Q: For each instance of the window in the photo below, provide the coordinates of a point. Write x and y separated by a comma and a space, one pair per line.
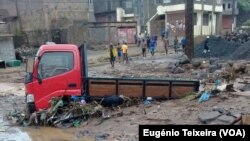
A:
205, 19
219, 1
128, 4
166, 1
108, 5
195, 18
55, 63
224, 6
229, 6
109, 18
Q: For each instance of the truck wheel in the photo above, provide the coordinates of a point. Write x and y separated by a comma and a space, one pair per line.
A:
30, 108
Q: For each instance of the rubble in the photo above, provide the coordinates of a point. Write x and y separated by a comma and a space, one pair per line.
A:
219, 47
226, 119
208, 116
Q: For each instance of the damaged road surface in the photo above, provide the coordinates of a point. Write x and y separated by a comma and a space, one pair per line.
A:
113, 122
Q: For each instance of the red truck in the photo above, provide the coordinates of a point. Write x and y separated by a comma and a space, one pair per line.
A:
62, 71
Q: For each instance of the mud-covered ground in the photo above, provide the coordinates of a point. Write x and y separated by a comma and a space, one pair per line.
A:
124, 128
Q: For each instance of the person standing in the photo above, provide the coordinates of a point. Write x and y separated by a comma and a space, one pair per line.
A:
184, 43
166, 44
139, 39
176, 42
119, 52
143, 46
152, 46
148, 43
206, 47
125, 52
112, 54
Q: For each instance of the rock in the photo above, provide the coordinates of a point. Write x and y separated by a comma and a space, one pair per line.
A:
178, 70
204, 66
246, 87
184, 60
230, 63
101, 136
213, 61
188, 66
196, 63
208, 116
171, 66
239, 67
226, 119
212, 68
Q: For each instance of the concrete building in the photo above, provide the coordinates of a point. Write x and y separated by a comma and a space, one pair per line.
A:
113, 10
46, 20
7, 51
171, 14
229, 19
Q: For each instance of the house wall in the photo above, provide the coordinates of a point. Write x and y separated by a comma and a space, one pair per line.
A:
7, 51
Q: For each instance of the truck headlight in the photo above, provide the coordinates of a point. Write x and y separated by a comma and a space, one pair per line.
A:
30, 98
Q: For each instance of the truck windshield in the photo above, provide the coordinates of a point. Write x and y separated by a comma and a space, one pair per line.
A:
55, 63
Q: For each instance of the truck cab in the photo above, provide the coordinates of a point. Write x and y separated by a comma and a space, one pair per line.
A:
55, 71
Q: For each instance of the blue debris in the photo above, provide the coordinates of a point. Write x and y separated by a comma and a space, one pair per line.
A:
204, 97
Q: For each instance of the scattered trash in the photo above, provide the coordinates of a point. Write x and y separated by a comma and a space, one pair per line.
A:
204, 97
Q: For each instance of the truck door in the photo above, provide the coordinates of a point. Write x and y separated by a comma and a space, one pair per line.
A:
58, 76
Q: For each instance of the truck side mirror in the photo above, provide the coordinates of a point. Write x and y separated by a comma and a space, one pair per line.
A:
39, 79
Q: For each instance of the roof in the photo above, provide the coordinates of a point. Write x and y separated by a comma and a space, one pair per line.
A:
6, 35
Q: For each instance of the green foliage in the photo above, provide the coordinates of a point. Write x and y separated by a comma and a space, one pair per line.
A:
247, 23
244, 5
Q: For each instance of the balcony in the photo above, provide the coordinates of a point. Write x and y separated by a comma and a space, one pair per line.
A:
229, 12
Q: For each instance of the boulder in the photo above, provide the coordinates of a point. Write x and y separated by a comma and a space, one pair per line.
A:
178, 70
239, 68
184, 60
208, 116
196, 63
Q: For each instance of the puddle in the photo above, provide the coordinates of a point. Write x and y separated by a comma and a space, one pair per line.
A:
14, 134
54, 134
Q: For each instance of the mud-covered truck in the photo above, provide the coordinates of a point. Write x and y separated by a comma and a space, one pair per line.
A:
62, 71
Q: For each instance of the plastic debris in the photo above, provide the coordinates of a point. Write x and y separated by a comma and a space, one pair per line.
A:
204, 97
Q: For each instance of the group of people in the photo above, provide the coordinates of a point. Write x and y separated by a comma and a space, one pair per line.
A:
150, 43
120, 51
147, 42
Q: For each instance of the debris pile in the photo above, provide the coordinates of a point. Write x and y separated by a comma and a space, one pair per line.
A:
219, 47
71, 114
242, 52
237, 37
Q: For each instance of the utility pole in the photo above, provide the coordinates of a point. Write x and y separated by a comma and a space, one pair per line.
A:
202, 12
233, 15
212, 17
189, 26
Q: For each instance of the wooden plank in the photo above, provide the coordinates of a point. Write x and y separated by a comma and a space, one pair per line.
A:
102, 88
130, 88
157, 89
180, 92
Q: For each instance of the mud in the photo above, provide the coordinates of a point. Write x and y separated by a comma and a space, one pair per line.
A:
125, 128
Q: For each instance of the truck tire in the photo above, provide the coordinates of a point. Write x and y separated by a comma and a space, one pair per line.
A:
30, 108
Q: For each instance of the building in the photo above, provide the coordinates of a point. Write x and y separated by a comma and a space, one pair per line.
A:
171, 14
114, 10
45, 20
229, 19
